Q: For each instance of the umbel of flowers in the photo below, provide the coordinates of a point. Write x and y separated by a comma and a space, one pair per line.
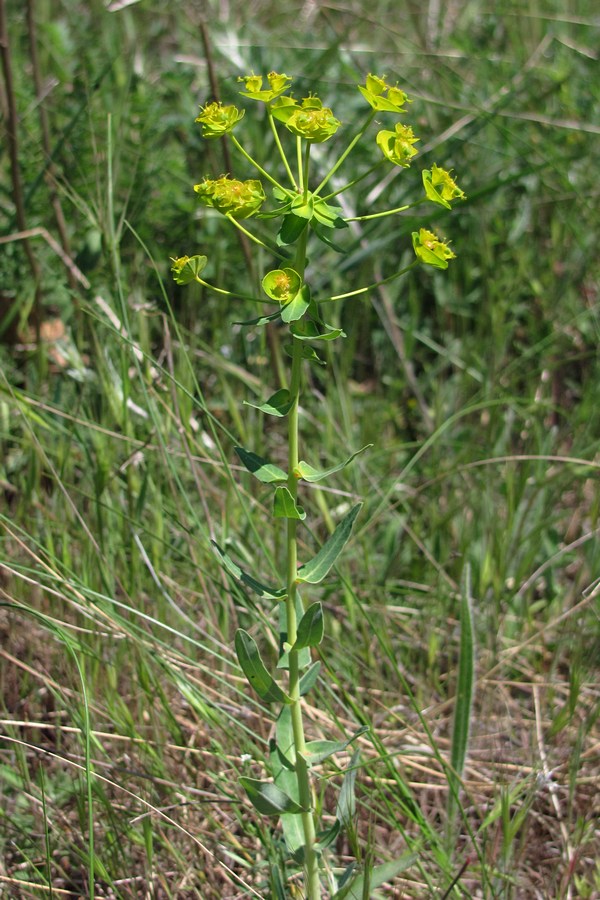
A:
295, 205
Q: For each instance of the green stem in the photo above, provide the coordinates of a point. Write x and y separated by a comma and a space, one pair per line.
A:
347, 151
253, 162
380, 215
253, 237
351, 184
281, 150
370, 287
311, 859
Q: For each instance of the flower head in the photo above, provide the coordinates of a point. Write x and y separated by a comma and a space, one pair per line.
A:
216, 119
440, 187
239, 199
312, 121
381, 96
187, 268
397, 145
430, 250
282, 285
278, 84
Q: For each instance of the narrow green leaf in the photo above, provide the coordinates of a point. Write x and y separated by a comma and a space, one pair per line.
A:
463, 709
317, 568
309, 679
291, 229
346, 805
304, 658
267, 798
261, 320
285, 736
255, 671
318, 751
329, 216
310, 628
260, 468
308, 331
327, 837
279, 404
262, 590
309, 474
284, 506
307, 352
375, 877
297, 306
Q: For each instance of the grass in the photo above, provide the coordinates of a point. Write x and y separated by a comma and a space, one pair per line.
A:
122, 702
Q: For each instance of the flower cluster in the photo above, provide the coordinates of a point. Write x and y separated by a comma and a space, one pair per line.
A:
309, 120
186, 269
440, 187
430, 250
397, 145
282, 285
238, 199
217, 120
278, 84
381, 96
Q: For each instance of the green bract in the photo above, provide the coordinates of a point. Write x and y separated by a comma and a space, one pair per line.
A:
430, 250
186, 268
397, 145
278, 84
440, 187
312, 121
239, 199
282, 284
381, 96
216, 119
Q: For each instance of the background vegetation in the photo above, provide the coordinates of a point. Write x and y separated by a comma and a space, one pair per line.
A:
125, 719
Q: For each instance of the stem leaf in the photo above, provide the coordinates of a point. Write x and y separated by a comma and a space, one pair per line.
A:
309, 679
278, 404
284, 505
310, 628
317, 568
318, 751
297, 306
261, 320
255, 671
346, 805
374, 878
303, 470
262, 590
267, 798
260, 468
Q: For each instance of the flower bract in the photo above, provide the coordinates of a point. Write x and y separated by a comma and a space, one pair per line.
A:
397, 145
282, 285
278, 84
239, 199
187, 268
217, 120
381, 96
430, 250
312, 121
440, 187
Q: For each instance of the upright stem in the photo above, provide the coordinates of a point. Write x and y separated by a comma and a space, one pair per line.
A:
311, 859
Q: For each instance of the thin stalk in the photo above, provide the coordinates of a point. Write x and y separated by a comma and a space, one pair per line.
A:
253, 237
347, 151
370, 287
253, 162
354, 181
380, 215
281, 150
311, 859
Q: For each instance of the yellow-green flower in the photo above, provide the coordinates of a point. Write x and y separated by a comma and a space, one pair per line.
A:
397, 145
282, 285
216, 119
186, 268
239, 199
430, 250
381, 96
440, 187
278, 84
312, 121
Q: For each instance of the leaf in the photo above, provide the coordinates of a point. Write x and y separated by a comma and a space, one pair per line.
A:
285, 737
262, 320
260, 468
327, 837
375, 877
309, 679
318, 751
262, 590
284, 506
306, 353
278, 404
291, 229
307, 331
254, 669
297, 306
303, 470
329, 216
346, 805
304, 659
324, 234
463, 709
310, 628
267, 798
317, 568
